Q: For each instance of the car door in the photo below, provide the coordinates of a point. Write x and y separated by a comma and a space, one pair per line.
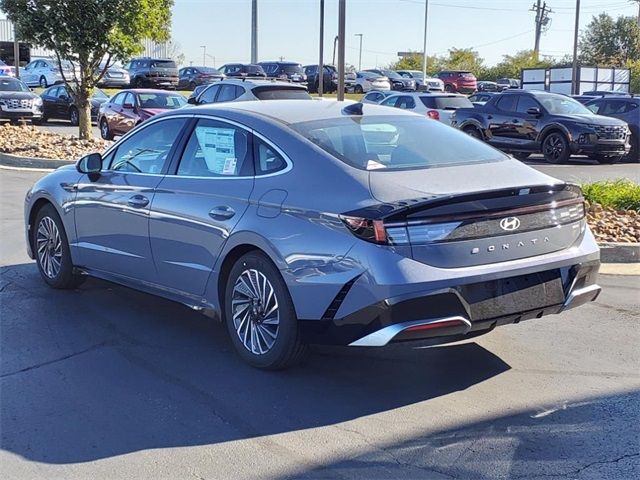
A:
199, 202
112, 211
49, 98
62, 103
500, 120
525, 125
28, 73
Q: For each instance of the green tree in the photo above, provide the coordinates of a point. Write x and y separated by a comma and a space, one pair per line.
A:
609, 42
512, 65
88, 33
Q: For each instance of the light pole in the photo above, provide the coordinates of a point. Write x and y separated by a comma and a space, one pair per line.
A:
424, 45
204, 55
254, 31
360, 54
342, 14
321, 60
574, 65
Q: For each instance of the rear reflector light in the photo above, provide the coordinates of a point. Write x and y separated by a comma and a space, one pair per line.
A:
369, 230
431, 326
433, 114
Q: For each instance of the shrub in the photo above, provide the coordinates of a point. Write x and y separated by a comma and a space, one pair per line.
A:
619, 194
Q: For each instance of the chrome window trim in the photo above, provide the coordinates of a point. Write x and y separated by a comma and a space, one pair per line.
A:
286, 158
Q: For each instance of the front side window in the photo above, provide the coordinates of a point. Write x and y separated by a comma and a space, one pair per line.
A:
393, 142
118, 99
216, 149
161, 100
146, 151
390, 102
525, 102
209, 95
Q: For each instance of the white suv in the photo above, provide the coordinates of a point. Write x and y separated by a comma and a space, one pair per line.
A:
44, 72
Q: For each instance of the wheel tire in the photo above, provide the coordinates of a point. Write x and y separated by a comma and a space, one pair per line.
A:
51, 248
43, 82
192, 86
105, 131
287, 348
448, 88
474, 132
38, 121
74, 116
358, 89
555, 148
521, 155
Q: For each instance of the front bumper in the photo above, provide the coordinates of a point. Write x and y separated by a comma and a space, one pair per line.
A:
602, 147
20, 114
460, 312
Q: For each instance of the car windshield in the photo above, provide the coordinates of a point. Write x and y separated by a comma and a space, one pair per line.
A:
447, 103
393, 142
391, 74
281, 93
290, 69
162, 64
560, 105
161, 100
12, 85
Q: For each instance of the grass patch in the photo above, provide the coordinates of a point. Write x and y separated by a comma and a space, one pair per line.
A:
619, 194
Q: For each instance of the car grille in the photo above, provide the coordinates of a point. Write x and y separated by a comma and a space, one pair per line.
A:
16, 104
605, 132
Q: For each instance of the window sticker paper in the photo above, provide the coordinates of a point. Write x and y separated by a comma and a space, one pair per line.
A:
218, 147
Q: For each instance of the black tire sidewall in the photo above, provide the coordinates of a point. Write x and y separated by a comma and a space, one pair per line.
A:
108, 135
566, 152
287, 340
65, 277
77, 122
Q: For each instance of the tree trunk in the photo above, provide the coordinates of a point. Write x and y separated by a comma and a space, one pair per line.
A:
84, 113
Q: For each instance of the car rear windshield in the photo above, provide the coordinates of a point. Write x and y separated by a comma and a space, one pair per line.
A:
255, 70
12, 85
394, 142
446, 103
162, 64
170, 101
289, 69
281, 93
213, 71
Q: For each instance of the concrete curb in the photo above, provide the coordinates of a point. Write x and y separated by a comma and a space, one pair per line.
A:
8, 160
620, 252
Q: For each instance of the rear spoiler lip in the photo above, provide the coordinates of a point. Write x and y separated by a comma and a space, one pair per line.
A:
393, 211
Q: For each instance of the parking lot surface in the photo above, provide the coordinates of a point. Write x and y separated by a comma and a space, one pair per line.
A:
108, 383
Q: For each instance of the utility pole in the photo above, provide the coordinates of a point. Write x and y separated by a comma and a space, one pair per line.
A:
16, 50
574, 66
360, 54
321, 60
341, 36
204, 55
542, 20
254, 31
424, 44
335, 42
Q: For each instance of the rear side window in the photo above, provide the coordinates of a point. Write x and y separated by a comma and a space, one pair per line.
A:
281, 93
217, 149
229, 93
406, 102
507, 103
268, 160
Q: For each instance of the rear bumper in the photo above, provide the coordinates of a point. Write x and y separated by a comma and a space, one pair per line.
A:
462, 311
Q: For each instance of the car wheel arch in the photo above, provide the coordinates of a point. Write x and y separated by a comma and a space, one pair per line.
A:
554, 127
36, 206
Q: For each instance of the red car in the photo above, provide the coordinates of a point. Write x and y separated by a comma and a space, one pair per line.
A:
458, 81
128, 108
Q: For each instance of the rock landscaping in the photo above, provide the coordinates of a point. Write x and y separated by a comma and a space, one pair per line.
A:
611, 225
28, 141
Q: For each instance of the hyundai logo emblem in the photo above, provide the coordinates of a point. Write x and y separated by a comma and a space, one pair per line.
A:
510, 223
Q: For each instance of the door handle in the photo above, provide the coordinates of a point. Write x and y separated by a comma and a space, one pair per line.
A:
222, 212
489, 117
138, 201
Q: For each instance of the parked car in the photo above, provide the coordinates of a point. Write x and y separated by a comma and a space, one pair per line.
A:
7, 70
526, 122
433, 105
284, 71
430, 84
376, 96
196, 92
190, 77
460, 81
366, 81
248, 70
624, 108
316, 222
152, 72
57, 103
44, 72
506, 83
485, 86
398, 82
129, 108
18, 102
480, 98
584, 99
606, 93
115, 76
233, 90
329, 79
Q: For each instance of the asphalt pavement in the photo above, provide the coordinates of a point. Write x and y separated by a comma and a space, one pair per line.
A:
105, 382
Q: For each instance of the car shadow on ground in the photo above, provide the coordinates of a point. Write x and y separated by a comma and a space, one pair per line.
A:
104, 370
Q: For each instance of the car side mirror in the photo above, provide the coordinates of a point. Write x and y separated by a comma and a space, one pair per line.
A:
90, 164
192, 101
128, 106
535, 111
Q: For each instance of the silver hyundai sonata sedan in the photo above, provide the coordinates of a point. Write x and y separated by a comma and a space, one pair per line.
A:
317, 222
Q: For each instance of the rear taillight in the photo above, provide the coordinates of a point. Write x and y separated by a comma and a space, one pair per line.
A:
434, 114
369, 230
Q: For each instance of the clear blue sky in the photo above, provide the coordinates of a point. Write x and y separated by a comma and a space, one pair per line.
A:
290, 28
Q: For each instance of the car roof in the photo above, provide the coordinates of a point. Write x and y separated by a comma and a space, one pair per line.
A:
293, 111
147, 90
430, 94
258, 83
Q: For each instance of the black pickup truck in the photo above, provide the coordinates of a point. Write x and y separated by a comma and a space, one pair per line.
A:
525, 122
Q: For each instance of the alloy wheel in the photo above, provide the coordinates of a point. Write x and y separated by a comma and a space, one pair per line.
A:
43, 82
256, 316
74, 117
49, 245
554, 147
